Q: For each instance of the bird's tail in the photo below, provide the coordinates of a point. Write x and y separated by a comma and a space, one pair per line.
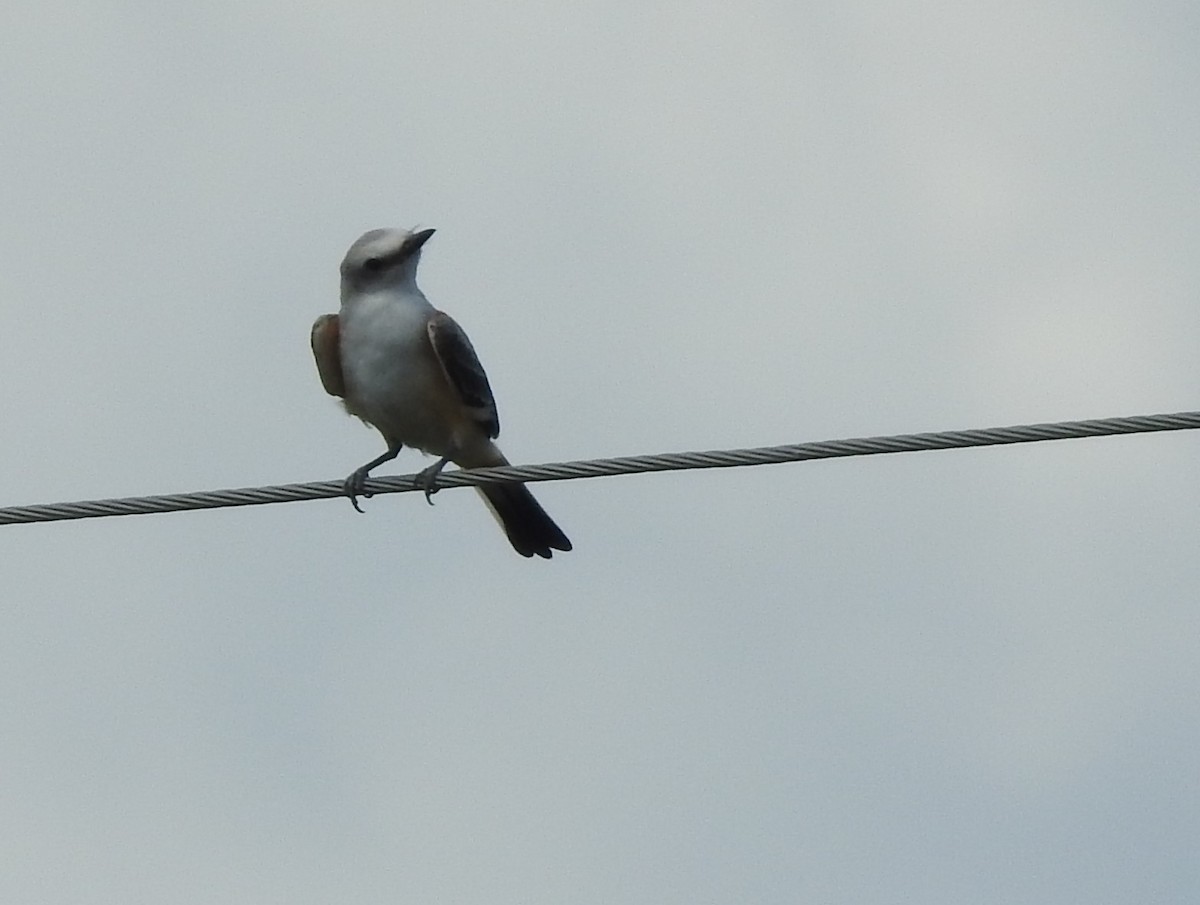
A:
530, 530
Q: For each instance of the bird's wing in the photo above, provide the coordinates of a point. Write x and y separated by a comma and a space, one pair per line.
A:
327, 351
462, 368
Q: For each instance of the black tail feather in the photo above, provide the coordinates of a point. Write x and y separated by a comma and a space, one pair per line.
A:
530, 530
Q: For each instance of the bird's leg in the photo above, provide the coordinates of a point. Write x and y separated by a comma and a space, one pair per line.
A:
427, 478
357, 482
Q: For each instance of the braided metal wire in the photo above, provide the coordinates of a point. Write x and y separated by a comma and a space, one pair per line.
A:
596, 468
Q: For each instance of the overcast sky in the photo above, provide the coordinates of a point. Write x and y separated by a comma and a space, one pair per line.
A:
948, 677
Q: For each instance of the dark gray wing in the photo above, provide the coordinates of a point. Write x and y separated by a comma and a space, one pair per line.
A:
463, 370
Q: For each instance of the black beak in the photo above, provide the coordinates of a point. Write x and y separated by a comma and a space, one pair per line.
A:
414, 242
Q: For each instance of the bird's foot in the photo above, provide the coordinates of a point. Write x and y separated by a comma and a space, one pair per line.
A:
356, 486
426, 479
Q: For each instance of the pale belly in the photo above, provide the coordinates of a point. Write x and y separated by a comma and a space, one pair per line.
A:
395, 382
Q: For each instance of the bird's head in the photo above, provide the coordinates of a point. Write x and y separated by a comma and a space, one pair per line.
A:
383, 257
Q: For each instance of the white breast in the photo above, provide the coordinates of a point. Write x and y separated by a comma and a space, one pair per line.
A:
393, 379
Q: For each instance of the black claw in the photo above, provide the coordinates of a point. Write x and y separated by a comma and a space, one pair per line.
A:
427, 479
354, 486
428, 484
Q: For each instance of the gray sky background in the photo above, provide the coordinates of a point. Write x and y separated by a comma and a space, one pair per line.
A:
948, 677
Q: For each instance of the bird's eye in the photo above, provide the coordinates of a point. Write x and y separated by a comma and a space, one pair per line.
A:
372, 265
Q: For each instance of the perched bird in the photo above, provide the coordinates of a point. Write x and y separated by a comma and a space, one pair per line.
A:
409, 371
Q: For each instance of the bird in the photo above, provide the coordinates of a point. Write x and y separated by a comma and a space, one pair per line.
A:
409, 370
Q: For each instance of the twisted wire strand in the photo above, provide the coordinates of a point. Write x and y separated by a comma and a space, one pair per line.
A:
596, 468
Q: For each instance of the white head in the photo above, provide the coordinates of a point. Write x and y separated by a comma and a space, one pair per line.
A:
383, 258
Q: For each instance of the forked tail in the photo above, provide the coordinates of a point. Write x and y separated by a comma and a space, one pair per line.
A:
530, 530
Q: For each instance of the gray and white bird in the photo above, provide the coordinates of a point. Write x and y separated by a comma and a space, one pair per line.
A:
409, 371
